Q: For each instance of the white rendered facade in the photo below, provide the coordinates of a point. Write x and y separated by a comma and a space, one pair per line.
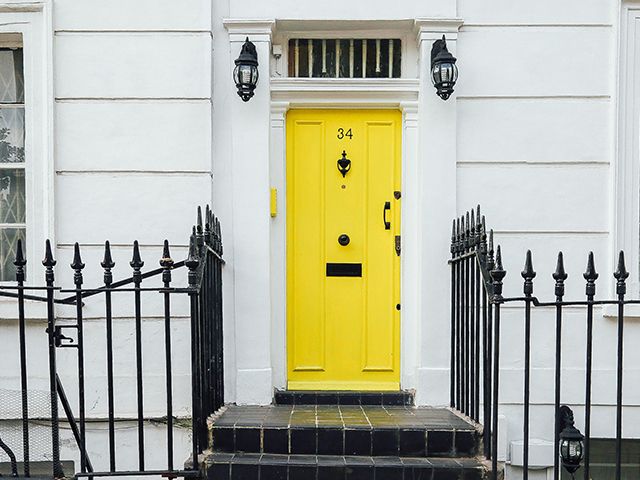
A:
140, 122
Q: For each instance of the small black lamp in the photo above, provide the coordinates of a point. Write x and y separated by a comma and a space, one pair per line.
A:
444, 72
246, 72
571, 441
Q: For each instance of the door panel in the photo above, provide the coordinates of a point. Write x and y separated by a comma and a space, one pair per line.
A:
343, 331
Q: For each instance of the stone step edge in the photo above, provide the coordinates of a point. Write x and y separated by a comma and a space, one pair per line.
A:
445, 443
337, 397
472, 468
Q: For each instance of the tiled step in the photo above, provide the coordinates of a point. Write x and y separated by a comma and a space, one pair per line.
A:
344, 430
227, 466
295, 397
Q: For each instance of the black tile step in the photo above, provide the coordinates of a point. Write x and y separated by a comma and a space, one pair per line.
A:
344, 430
304, 397
223, 466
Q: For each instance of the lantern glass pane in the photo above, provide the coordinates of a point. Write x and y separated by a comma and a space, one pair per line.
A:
245, 74
564, 449
436, 75
446, 72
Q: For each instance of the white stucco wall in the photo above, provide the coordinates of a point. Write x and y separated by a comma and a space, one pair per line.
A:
147, 125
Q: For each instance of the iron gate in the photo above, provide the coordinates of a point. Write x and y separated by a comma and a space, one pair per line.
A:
203, 290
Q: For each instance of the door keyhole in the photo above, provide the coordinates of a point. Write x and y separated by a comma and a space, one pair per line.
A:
344, 239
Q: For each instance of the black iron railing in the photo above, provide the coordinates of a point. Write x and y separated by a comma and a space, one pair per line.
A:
476, 302
204, 289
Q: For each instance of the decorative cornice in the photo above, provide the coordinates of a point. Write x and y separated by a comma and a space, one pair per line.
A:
431, 28
256, 29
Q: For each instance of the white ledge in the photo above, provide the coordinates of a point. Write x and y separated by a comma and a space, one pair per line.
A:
630, 312
345, 84
356, 91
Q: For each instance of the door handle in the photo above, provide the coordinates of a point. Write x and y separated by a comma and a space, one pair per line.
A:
387, 224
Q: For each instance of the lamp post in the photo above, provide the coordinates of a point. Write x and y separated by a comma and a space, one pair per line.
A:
571, 441
444, 72
246, 72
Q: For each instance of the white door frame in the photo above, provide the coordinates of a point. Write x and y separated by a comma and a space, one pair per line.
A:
400, 94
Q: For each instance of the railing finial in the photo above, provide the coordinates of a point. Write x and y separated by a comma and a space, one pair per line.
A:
490, 259
107, 261
590, 275
166, 261
483, 236
497, 275
199, 224
528, 274
192, 261
77, 265
77, 259
208, 226
621, 275
48, 261
560, 276
19, 262
136, 261
472, 230
453, 239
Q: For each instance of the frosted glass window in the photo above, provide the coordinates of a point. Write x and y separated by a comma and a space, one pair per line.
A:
12, 160
345, 58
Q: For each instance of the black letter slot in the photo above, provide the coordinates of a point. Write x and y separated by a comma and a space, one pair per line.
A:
344, 269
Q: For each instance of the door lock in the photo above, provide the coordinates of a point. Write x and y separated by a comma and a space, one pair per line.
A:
344, 240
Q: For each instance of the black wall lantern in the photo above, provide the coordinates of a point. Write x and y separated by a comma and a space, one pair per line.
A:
444, 71
246, 72
571, 441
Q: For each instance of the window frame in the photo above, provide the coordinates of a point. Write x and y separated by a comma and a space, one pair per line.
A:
33, 21
625, 189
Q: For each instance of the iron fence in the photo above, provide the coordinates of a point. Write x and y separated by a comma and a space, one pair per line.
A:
204, 290
477, 298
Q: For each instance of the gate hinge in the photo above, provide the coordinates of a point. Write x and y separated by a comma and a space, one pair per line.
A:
398, 245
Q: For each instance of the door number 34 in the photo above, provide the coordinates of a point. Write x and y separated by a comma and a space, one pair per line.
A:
342, 134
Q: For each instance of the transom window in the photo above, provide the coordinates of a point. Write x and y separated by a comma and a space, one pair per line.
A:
345, 58
12, 159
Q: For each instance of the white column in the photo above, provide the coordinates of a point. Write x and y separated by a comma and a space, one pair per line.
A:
411, 289
278, 246
250, 209
438, 157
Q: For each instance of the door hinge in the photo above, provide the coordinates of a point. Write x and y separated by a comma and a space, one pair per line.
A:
397, 195
398, 245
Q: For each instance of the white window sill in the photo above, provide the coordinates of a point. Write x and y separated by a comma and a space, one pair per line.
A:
630, 311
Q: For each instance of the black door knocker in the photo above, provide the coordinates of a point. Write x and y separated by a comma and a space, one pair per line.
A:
344, 164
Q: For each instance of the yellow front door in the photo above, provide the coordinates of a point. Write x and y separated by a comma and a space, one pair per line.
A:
343, 247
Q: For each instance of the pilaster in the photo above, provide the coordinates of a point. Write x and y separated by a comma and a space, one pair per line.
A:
438, 187
250, 122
